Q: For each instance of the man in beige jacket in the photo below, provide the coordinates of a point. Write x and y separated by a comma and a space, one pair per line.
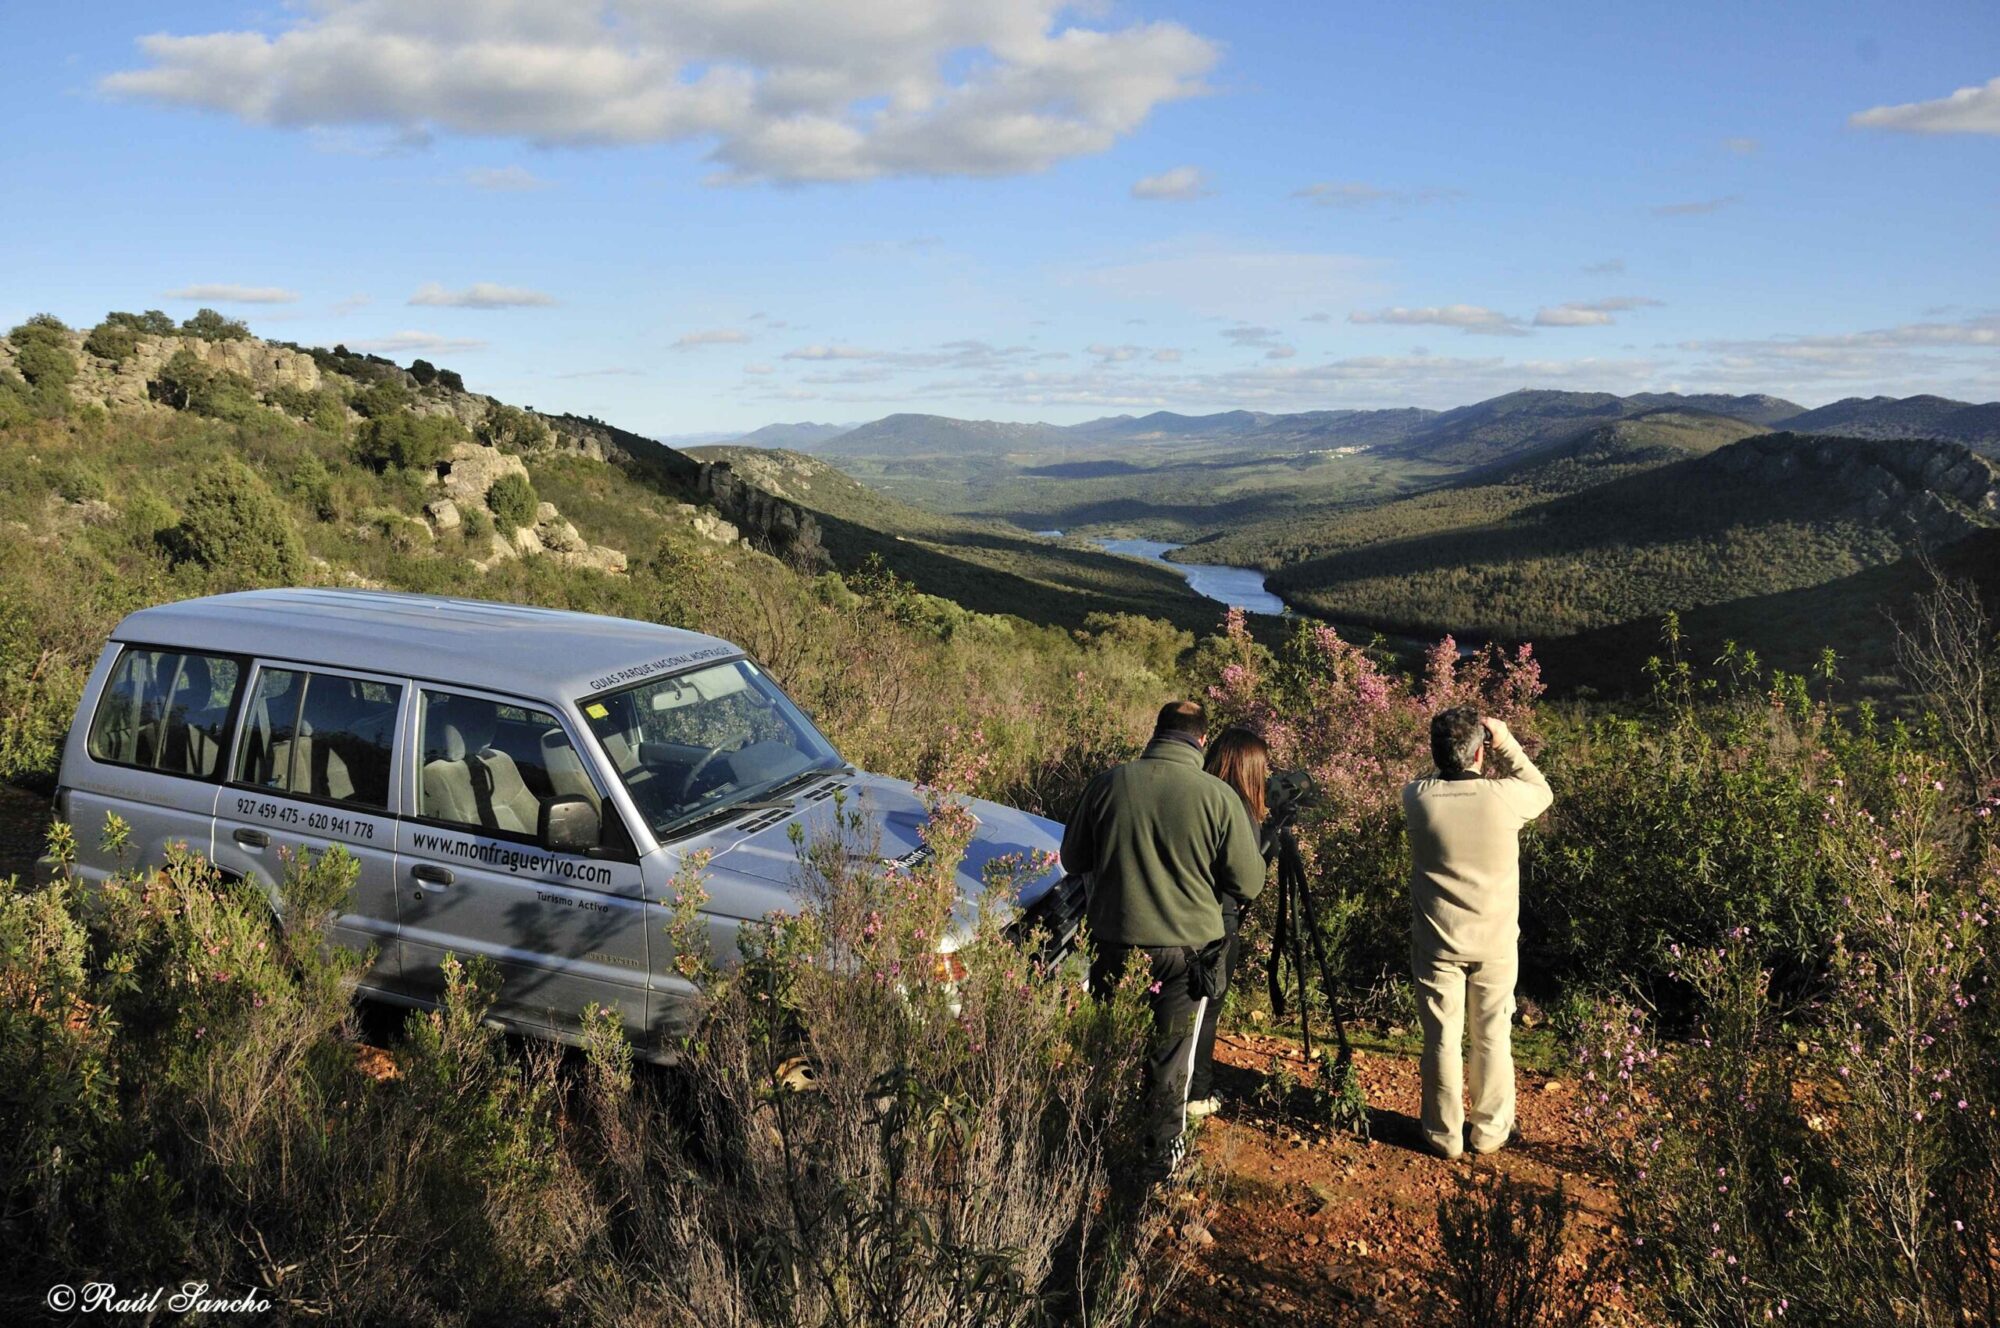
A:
1465, 919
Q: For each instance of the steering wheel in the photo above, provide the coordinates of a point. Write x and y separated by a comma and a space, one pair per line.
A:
734, 742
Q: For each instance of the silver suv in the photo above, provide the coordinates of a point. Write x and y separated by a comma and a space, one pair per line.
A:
517, 783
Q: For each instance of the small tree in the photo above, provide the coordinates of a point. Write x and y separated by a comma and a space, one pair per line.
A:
234, 524
212, 326
409, 441
513, 500
112, 341
512, 429
424, 372
185, 383
152, 323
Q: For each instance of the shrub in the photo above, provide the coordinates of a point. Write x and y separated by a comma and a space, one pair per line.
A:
423, 371
475, 524
212, 326
234, 525
152, 323
323, 408
513, 502
408, 441
1501, 1264
1834, 1162
43, 357
383, 398
853, 1137
185, 383
511, 429
112, 341
450, 381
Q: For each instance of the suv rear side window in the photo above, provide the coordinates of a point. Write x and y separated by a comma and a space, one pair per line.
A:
166, 710
320, 735
492, 766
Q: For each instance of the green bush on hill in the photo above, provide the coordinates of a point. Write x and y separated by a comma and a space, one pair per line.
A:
407, 440
513, 501
234, 525
512, 429
152, 323
324, 409
43, 358
212, 326
185, 383
112, 341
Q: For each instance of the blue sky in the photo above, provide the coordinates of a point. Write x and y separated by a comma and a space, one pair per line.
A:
712, 214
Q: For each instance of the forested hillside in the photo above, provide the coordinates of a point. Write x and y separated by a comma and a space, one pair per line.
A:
143, 461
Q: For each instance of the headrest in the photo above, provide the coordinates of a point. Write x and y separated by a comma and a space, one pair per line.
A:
468, 732
196, 682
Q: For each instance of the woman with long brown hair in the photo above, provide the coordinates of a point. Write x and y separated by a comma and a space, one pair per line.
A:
1240, 759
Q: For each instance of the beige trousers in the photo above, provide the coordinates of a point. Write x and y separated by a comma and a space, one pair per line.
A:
1448, 992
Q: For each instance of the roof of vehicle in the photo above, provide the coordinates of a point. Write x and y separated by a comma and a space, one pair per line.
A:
545, 654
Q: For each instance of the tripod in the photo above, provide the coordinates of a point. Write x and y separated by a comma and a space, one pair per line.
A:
1295, 936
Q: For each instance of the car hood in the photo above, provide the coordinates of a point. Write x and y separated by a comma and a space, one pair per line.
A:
754, 867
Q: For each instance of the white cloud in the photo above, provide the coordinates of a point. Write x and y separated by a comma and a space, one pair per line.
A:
1967, 111
225, 293
1474, 319
1697, 207
1610, 267
1742, 147
714, 336
479, 295
1355, 194
429, 343
1112, 354
759, 368
825, 352
505, 179
1590, 313
1180, 184
341, 308
1246, 334
785, 90
1281, 352
1212, 278
1166, 355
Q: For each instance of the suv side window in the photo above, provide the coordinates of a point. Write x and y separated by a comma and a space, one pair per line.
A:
166, 710
491, 765
320, 735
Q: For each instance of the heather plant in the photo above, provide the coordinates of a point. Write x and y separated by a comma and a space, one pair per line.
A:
1828, 1158
1505, 1260
879, 1126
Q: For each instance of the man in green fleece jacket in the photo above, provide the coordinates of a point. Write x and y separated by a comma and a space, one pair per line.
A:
1465, 919
1161, 840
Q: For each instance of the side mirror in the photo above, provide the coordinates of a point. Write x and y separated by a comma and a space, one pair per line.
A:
569, 824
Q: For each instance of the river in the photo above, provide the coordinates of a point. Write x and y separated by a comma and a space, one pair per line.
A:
1238, 587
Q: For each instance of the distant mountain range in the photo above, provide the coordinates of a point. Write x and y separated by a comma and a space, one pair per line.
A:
1481, 434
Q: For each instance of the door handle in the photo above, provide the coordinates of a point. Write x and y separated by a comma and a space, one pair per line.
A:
252, 838
424, 871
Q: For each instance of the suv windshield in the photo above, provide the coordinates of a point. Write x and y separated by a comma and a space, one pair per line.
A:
696, 743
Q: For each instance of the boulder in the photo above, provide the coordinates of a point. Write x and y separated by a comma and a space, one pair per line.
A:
546, 513
444, 514
560, 536
471, 470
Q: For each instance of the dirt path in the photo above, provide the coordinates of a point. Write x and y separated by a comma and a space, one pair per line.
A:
1307, 1227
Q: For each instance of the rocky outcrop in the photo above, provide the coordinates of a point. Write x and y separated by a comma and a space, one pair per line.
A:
1939, 491
124, 383
766, 520
471, 470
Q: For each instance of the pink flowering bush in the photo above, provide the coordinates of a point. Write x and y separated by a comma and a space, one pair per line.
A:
1363, 730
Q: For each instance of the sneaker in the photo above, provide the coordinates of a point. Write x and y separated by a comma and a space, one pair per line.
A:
1203, 1107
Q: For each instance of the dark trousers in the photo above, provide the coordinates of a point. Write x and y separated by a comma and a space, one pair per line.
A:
1177, 1016
1202, 1083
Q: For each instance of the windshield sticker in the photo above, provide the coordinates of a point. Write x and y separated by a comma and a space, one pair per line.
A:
671, 662
596, 710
